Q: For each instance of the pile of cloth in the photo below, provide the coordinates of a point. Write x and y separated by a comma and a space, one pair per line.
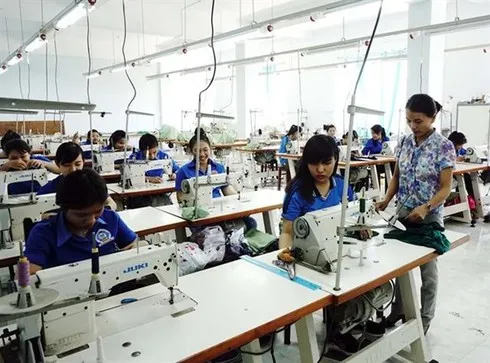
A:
214, 245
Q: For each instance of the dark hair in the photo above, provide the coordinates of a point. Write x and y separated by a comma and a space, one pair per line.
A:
425, 104
9, 136
294, 129
89, 134
354, 135
81, 189
116, 137
67, 152
378, 129
457, 138
318, 149
203, 138
17, 145
148, 141
328, 127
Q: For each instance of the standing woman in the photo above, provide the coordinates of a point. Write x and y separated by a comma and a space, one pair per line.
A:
375, 144
287, 145
422, 179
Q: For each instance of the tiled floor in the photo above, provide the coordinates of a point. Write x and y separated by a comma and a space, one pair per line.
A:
460, 331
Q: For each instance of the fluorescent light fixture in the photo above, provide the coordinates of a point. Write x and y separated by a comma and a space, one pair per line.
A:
37, 43
17, 112
119, 68
15, 59
3, 69
460, 25
94, 75
23, 104
74, 15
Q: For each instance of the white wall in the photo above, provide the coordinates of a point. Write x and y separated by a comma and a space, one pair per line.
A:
110, 93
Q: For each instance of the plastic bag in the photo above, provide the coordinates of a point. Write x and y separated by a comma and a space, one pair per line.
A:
191, 258
212, 240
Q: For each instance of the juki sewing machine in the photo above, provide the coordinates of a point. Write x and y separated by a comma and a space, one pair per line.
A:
133, 172
206, 185
477, 154
104, 161
11, 177
74, 303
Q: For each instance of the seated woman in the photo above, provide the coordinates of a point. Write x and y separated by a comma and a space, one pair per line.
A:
202, 156
148, 150
458, 139
375, 144
68, 159
316, 185
118, 142
293, 134
67, 237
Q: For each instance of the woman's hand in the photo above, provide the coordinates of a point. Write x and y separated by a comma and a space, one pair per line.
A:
381, 206
418, 214
35, 164
154, 180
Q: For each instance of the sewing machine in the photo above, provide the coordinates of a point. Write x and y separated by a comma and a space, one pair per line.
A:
82, 310
477, 154
343, 152
104, 161
35, 141
12, 219
11, 177
388, 148
133, 172
206, 185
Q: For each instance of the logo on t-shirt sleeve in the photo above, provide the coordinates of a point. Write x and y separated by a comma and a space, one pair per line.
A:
103, 236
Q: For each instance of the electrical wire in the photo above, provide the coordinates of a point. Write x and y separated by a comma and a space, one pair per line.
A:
232, 88
89, 56
143, 26
327, 336
300, 88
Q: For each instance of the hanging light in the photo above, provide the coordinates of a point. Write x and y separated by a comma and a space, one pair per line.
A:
37, 43
74, 15
15, 59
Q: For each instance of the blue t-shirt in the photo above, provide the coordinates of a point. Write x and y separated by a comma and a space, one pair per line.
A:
296, 206
51, 243
51, 186
139, 155
283, 149
40, 158
188, 171
462, 152
374, 146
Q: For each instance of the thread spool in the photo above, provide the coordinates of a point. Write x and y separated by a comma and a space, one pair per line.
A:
23, 272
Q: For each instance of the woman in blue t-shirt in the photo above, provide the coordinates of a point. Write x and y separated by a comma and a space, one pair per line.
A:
316, 185
375, 144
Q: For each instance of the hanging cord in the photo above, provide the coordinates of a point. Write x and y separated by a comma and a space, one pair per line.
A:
421, 66
184, 22
457, 11
22, 36
300, 87
198, 143
89, 56
123, 50
253, 13
56, 78
46, 67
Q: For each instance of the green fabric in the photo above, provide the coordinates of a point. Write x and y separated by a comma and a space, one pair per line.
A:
189, 213
427, 235
258, 241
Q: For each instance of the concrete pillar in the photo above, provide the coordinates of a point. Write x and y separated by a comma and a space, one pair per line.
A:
241, 93
425, 54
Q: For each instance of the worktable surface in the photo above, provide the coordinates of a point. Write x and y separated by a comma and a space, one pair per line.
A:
271, 148
236, 303
380, 160
227, 208
462, 168
147, 189
392, 258
148, 220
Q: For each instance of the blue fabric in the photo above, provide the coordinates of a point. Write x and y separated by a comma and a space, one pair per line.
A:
374, 146
188, 171
51, 186
23, 188
51, 243
296, 206
283, 149
462, 152
139, 155
40, 158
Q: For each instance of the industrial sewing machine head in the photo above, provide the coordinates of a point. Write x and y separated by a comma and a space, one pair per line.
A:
202, 187
133, 172
388, 148
34, 176
477, 154
104, 161
72, 299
